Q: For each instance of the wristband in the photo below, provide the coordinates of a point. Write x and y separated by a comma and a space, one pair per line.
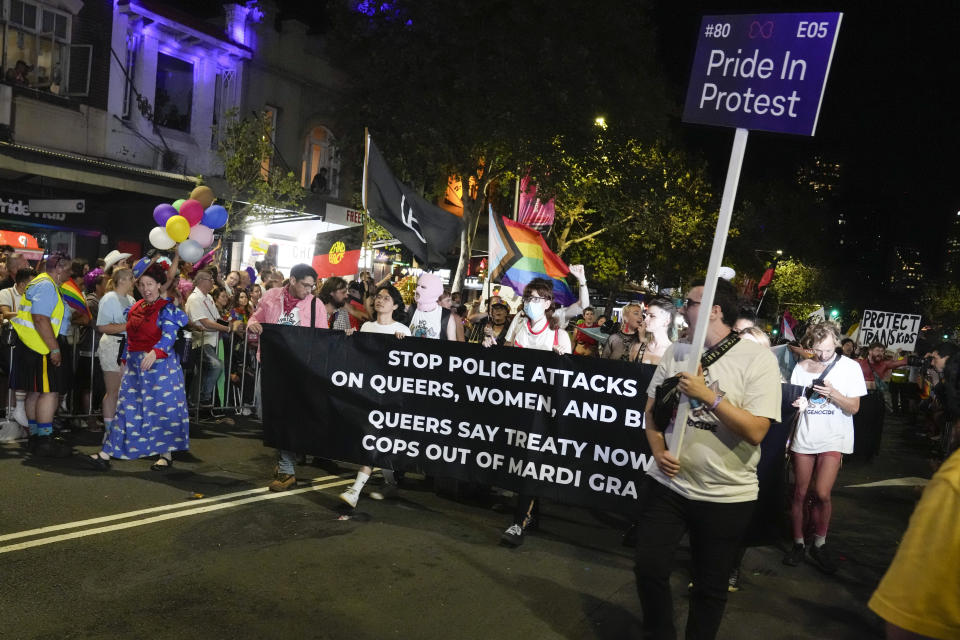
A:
716, 403
52, 351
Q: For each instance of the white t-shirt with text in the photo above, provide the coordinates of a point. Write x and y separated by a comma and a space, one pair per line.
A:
716, 464
825, 427
543, 338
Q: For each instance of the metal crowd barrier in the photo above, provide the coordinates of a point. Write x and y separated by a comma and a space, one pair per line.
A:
234, 394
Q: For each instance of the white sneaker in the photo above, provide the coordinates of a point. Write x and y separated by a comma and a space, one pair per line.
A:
20, 415
350, 496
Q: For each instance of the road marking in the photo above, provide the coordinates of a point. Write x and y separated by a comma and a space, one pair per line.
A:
140, 512
194, 510
894, 482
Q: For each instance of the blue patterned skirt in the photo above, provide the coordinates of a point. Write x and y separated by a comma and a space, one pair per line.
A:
152, 415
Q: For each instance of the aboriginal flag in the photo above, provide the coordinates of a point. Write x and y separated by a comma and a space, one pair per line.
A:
337, 253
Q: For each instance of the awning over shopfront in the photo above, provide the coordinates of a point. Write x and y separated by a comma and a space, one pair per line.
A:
20, 160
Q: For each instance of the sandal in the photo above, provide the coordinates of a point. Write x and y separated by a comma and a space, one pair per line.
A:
162, 464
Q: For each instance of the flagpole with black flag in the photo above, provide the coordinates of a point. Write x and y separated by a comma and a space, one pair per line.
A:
427, 230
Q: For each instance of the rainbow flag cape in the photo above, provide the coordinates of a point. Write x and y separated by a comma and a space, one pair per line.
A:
72, 295
518, 254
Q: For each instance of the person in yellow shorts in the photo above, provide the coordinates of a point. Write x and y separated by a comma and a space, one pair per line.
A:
920, 594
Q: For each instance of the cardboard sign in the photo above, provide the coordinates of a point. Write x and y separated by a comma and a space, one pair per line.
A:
764, 72
898, 331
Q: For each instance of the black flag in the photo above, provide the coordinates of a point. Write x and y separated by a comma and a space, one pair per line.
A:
424, 228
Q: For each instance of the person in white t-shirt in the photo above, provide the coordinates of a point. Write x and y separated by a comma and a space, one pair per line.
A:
203, 311
429, 319
388, 305
112, 325
710, 488
542, 333
824, 433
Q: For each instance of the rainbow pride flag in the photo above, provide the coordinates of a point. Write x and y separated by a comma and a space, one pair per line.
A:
518, 254
72, 295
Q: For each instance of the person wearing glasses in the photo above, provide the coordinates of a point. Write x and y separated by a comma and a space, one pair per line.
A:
40, 367
389, 307
824, 433
203, 311
293, 305
536, 332
709, 488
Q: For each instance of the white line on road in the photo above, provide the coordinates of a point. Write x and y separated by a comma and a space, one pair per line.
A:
218, 503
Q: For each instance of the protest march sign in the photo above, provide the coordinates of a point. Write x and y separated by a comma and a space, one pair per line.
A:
898, 331
765, 72
562, 427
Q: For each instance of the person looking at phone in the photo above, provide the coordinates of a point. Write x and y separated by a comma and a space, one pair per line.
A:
834, 385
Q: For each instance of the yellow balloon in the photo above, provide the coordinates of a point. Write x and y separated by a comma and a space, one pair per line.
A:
178, 228
204, 195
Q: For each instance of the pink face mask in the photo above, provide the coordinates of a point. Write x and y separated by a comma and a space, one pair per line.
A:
428, 291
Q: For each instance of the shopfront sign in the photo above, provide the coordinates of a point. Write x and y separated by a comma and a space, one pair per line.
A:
44, 210
336, 214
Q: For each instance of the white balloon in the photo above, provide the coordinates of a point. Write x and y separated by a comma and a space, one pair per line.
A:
160, 239
190, 250
202, 234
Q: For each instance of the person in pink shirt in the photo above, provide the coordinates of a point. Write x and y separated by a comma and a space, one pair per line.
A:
868, 423
293, 304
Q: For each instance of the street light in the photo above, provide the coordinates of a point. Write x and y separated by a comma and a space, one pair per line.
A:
600, 121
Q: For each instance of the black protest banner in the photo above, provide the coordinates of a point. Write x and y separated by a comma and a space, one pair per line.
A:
561, 427
897, 331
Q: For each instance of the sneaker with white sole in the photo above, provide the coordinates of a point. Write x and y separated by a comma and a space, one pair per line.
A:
513, 536
350, 496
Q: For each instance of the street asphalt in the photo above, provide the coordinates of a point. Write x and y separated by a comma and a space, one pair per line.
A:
203, 551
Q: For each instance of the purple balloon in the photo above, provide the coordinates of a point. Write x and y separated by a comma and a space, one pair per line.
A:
162, 213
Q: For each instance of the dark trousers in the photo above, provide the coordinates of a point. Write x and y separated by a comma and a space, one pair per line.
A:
716, 530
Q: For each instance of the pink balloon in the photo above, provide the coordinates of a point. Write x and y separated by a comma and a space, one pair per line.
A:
192, 211
203, 235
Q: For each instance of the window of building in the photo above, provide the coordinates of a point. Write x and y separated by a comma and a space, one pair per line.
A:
128, 69
36, 46
320, 170
173, 101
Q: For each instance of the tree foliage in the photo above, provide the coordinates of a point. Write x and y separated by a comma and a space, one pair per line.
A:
798, 286
246, 149
632, 211
480, 90
940, 305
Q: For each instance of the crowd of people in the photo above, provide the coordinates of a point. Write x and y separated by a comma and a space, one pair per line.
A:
159, 327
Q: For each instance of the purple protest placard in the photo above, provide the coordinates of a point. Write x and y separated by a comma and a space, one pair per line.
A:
763, 72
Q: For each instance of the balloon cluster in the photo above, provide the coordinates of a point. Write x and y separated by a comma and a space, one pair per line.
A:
189, 223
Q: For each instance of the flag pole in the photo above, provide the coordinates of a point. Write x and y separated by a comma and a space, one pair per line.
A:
366, 157
710, 285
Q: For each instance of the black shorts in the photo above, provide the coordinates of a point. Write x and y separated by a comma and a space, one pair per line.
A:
34, 372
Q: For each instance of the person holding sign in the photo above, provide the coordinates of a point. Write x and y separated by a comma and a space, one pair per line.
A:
709, 491
824, 433
388, 304
543, 333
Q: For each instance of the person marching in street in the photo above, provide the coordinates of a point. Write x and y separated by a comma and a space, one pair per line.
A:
152, 414
658, 322
427, 319
40, 368
585, 345
202, 310
711, 489
388, 305
112, 325
824, 433
628, 343
538, 332
293, 305
869, 421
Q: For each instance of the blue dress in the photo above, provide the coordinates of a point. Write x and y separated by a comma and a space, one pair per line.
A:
152, 415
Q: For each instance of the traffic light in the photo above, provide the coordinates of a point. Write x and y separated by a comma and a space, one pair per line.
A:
775, 331
834, 313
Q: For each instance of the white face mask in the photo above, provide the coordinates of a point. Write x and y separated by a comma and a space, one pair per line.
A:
533, 310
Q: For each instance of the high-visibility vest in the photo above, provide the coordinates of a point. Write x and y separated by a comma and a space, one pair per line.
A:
23, 323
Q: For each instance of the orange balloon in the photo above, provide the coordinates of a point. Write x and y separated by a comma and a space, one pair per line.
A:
204, 195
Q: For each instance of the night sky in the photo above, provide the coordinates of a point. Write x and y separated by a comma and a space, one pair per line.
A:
888, 114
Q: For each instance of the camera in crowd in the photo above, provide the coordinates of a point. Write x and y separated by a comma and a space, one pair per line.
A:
915, 360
